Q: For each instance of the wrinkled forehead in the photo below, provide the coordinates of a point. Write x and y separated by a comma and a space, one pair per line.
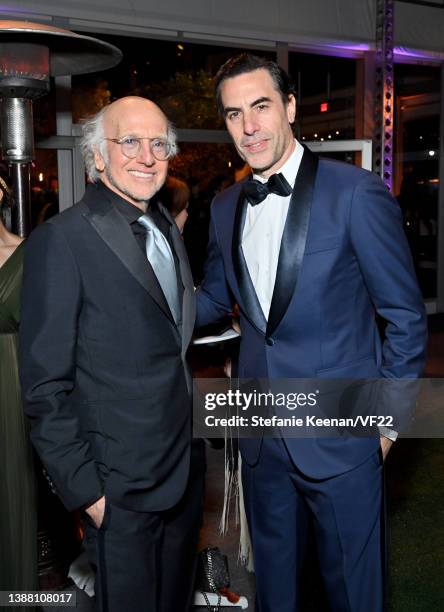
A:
142, 120
247, 87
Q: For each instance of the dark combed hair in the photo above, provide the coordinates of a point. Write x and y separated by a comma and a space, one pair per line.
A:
247, 62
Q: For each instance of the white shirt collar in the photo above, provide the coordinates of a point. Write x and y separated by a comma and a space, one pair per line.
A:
291, 166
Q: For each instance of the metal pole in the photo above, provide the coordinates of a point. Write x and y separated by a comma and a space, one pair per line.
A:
383, 158
18, 150
21, 211
440, 233
64, 128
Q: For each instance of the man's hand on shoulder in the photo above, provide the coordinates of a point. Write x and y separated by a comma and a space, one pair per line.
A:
96, 511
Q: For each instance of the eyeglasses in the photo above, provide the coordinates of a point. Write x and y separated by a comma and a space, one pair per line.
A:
160, 149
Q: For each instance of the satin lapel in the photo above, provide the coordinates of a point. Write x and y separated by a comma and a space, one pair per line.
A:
293, 241
116, 233
189, 300
250, 302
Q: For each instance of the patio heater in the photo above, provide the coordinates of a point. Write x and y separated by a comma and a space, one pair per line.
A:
30, 53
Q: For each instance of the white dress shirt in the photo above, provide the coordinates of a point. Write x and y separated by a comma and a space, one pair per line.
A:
262, 233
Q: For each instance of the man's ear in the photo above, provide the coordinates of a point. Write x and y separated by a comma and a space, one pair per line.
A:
99, 161
291, 108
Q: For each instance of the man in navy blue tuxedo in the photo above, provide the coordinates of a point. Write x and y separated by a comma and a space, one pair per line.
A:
310, 250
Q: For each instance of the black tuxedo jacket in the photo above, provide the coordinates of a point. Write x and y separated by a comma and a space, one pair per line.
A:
103, 366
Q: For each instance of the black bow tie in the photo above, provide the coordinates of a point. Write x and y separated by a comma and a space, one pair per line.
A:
256, 192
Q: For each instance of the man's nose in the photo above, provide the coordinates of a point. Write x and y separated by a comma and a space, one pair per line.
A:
250, 123
145, 155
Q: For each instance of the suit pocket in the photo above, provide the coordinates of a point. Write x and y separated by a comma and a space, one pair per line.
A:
105, 520
359, 368
106, 516
377, 457
324, 244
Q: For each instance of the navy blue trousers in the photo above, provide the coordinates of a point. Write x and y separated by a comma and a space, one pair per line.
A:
346, 514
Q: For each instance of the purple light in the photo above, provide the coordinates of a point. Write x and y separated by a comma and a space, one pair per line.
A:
350, 46
8, 10
403, 53
400, 53
342, 49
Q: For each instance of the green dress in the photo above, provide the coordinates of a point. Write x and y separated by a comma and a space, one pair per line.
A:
18, 506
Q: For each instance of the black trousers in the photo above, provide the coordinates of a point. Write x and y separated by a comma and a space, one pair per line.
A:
146, 561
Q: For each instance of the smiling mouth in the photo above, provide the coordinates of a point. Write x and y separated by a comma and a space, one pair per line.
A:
255, 146
142, 175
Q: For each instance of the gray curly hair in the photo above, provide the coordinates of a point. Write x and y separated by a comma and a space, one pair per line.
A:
93, 139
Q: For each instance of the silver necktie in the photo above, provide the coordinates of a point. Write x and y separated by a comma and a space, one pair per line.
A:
158, 252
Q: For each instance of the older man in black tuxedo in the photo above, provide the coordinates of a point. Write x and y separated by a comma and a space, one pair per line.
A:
108, 313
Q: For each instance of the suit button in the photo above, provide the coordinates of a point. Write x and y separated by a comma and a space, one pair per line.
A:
270, 341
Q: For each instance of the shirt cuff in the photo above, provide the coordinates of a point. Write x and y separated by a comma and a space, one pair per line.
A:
391, 434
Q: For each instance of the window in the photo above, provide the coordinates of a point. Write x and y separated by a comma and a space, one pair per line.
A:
326, 96
177, 76
416, 184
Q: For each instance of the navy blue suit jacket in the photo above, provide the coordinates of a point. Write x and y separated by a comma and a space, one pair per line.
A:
343, 257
